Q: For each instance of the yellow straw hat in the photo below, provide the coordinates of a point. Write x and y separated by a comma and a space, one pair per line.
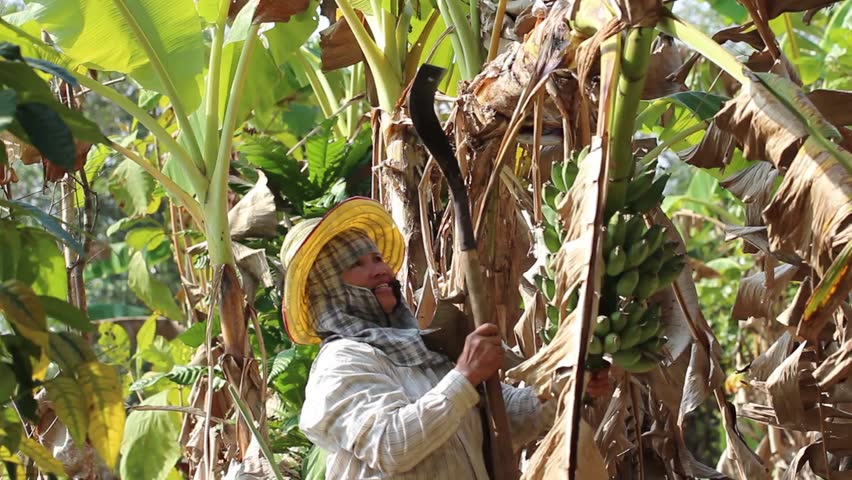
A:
305, 241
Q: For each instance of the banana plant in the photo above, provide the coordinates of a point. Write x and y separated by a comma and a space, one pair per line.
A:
209, 92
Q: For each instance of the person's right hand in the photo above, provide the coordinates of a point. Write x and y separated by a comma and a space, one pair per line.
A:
482, 355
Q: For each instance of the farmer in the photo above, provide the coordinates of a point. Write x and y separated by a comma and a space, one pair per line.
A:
378, 400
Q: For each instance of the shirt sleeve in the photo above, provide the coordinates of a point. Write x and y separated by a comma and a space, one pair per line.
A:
527, 416
352, 404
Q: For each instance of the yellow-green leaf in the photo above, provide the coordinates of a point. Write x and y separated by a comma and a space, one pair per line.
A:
106, 409
22, 309
70, 405
41, 456
10, 459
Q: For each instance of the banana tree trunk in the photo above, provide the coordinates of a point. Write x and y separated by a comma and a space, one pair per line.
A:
485, 120
398, 163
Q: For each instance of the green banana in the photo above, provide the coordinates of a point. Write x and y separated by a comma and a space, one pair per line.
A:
616, 261
602, 325
643, 365
652, 264
611, 342
617, 322
595, 346
633, 230
631, 337
556, 177
552, 314
648, 285
655, 236
652, 197
649, 330
551, 239
573, 300
669, 251
627, 283
616, 230
637, 253
653, 312
640, 184
626, 357
634, 311
549, 194
569, 174
670, 270
549, 290
653, 345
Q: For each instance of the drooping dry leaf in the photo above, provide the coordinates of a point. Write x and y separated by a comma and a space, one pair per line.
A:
753, 182
532, 320
783, 385
836, 367
756, 299
834, 105
828, 296
768, 361
777, 7
254, 215
666, 59
738, 460
254, 268
810, 213
762, 125
338, 47
792, 316
753, 185
713, 151
270, 10
758, 237
549, 460
538, 371
763, 61
813, 457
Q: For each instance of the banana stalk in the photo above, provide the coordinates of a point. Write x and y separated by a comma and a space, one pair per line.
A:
635, 57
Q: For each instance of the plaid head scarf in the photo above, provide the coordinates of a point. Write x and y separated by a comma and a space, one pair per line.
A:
341, 310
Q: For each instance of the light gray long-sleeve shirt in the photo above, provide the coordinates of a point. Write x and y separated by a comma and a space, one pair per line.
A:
377, 420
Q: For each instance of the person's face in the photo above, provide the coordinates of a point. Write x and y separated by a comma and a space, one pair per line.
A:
372, 272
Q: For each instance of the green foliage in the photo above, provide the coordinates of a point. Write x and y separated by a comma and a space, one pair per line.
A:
149, 448
163, 36
151, 290
331, 164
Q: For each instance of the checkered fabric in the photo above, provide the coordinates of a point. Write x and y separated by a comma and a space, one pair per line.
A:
346, 311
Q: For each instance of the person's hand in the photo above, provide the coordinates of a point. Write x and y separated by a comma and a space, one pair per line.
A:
482, 355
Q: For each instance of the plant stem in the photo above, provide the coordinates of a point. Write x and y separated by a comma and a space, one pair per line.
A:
246, 414
706, 46
656, 151
354, 86
635, 57
199, 183
168, 84
186, 201
218, 234
388, 84
211, 106
791, 37
470, 60
320, 86
412, 60
498, 29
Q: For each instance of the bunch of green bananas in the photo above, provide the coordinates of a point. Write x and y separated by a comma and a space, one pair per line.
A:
631, 335
638, 262
562, 176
